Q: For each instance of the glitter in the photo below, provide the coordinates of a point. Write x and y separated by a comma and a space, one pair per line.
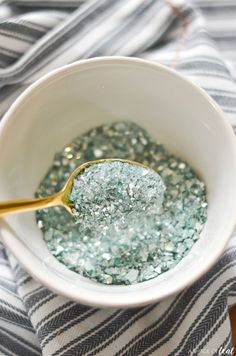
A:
106, 256
180, 249
56, 163
132, 275
71, 258
107, 279
69, 156
98, 153
106, 196
58, 250
88, 266
173, 164
48, 235
133, 253
144, 141
169, 246
81, 263
182, 165
40, 224
68, 149
158, 270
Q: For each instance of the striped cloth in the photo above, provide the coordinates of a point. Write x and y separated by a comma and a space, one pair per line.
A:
199, 40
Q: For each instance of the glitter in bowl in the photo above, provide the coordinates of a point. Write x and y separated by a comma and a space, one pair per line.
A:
113, 196
126, 255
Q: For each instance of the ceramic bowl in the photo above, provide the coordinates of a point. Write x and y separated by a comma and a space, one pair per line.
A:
73, 99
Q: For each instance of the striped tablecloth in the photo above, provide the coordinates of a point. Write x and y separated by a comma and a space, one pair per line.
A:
199, 40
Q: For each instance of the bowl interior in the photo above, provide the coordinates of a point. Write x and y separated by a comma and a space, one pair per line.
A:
84, 95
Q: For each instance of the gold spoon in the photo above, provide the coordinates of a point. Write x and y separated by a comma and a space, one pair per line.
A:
59, 199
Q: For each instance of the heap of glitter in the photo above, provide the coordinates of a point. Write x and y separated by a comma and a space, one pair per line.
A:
131, 256
116, 197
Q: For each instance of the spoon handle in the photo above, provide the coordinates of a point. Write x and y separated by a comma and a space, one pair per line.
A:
20, 206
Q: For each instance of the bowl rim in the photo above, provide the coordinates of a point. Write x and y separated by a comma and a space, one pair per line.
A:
93, 299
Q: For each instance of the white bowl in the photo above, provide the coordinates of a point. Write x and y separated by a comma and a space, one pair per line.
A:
77, 97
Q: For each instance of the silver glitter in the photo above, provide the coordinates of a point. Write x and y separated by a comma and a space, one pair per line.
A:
107, 279
169, 246
98, 153
182, 165
106, 256
132, 275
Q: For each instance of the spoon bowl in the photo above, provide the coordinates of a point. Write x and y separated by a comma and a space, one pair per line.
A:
62, 197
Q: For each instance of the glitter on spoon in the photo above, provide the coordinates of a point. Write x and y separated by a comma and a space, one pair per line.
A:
115, 195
